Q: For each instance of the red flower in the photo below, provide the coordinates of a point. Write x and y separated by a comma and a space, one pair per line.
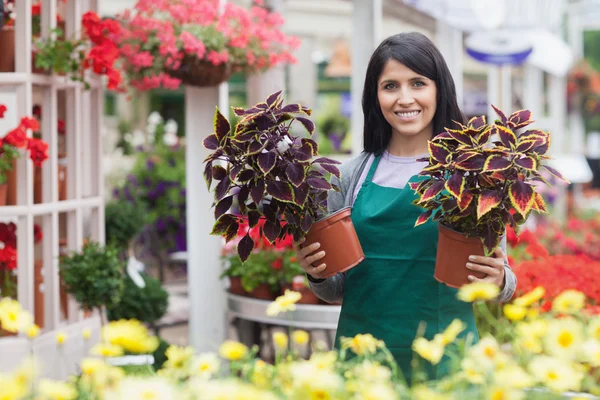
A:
38, 151
8, 234
8, 258
277, 264
62, 129
38, 235
30, 123
2, 110
17, 138
36, 9
536, 250
93, 26
114, 79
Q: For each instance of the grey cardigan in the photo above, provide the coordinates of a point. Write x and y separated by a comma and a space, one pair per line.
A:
332, 289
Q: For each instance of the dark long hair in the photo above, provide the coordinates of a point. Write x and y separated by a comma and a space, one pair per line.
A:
418, 53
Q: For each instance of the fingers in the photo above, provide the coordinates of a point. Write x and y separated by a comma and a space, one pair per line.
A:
499, 253
315, 272
496, 263
307, 259
483, 268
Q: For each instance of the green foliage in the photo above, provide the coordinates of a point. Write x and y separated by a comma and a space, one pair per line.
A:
123, 221
124, 144
333, 122
159, 354
93, 276
591, 48
147, 304
9, 154
61, 56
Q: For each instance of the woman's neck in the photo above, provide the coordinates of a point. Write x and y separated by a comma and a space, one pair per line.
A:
408, 146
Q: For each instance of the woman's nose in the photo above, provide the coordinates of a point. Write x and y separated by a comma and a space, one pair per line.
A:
405, 97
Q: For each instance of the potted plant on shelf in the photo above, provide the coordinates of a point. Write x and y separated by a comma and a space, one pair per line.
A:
272, 174
165, 44
474, 188
93, 276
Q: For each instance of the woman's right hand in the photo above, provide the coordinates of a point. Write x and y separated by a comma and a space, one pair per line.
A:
306, 261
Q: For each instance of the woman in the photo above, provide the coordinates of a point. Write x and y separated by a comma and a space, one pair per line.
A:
409, 97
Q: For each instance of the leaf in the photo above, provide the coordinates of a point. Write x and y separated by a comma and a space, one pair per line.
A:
484, 136
266, 161
304, 152
280, 190
295, 173
432, 192
459, 136
272, 99
211, 142
456, 184
449, 205
222, 188
506, 135
520, 119
301, 194
291, 108
332, 169
221, 125
208, 174
521, 197
487, 201
246, 136
271, 230
539, 203
307, 123
556, 173
465, 201
438, 152
219, 173
477, 122
307, 222
525, 145
319, 183
234, 172
474, 163
253, 218
223, 206
223, 223
423, 218
490, 241
256, 147
500, 114
325, 160
245, 247
246, 175
242, 196
496, 163
257, 191
527, 162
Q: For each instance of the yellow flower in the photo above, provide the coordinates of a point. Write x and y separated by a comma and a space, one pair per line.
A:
361, 344
531, 297
375, 391
206, 365
61, 337
154, 388
11, 389
431, 351
486, 352
478, 291
262, 374
281, 340
555, 374
536, 328
323, 361
513, 377
233, 351
300, 337
106, 350
472, 372
12, 317
530, 344
86, 333
33, 331
424, 393
370, 371
26, 372
90, 366
514, 312
590, 351
564, 338
594, 328
533, 313
131, 335
452, 331
503, 393
178, 357
284, 303
568, 302
52, 390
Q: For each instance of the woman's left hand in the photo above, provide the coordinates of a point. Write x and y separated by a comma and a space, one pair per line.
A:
492, 266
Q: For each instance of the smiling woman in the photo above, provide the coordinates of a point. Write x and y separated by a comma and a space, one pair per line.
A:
409, 97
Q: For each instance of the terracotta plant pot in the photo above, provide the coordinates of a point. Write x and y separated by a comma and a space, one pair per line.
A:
3, 194
453, 253
308, 297
7, 49
12, 185
263, 291
235, 285
38, 185
338, 239
62, 182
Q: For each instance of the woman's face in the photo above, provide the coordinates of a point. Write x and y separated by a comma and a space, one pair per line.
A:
408, 100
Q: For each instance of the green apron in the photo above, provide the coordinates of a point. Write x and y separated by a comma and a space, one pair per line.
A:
393, 289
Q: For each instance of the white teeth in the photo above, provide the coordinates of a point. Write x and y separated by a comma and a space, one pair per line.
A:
408, 114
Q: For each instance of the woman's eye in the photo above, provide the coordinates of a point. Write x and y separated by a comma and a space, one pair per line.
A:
419, 84
389, 86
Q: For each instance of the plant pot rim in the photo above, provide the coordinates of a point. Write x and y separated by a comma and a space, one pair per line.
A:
333, 214
454, 234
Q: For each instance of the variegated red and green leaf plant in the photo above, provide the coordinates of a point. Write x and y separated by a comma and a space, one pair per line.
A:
267, 172
480, 177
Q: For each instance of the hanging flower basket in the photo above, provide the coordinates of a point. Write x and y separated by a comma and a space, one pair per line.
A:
200, 72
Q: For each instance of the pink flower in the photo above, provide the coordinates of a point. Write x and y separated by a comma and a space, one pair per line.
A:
142, 60
251, 58
192, 45
170, 83
218, 58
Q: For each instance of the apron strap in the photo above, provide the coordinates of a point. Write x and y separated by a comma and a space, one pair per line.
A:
373, 168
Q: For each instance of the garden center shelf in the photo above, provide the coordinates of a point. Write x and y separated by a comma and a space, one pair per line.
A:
306, 316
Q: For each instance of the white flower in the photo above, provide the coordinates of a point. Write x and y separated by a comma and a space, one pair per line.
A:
171, 127
284, 145
154, 118
138, 139
170, 139
206, 365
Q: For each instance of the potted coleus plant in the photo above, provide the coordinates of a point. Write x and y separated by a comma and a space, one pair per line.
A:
474, 188
273, 174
